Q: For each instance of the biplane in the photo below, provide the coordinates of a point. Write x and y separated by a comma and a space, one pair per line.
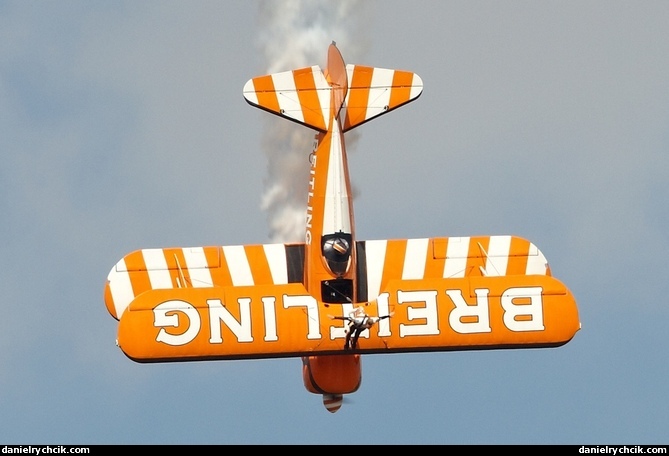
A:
332, 298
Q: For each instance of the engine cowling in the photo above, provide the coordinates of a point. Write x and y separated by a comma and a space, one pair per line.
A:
332, 374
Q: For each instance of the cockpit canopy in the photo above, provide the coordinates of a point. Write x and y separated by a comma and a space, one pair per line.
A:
336, 250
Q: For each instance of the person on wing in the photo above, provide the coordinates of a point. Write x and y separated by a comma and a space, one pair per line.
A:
358, 321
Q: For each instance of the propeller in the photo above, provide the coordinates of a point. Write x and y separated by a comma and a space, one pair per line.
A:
333, 402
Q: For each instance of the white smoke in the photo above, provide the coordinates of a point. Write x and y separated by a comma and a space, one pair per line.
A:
296, 34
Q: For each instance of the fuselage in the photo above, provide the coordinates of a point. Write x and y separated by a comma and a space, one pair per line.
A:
330, 259
329, 236
330, 233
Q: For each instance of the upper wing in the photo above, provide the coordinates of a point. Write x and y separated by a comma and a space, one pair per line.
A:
381, 261
201, 267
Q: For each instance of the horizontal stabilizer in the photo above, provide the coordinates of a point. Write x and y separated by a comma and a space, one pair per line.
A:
305, 96
302, 96
376, 91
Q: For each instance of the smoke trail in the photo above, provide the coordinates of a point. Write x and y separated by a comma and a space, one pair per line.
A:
296, 34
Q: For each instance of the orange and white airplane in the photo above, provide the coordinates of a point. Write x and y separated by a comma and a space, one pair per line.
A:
332, 298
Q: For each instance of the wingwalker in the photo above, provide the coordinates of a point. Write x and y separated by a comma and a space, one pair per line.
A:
333, 298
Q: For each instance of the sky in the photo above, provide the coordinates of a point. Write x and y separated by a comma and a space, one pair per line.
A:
123, 126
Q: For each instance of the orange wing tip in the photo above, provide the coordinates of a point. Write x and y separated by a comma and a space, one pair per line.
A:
333, 402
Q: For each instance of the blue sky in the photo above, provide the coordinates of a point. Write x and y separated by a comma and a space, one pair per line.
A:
123, 126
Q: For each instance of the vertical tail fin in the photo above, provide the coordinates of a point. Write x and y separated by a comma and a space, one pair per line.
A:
337, 76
